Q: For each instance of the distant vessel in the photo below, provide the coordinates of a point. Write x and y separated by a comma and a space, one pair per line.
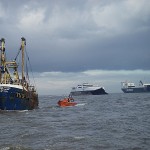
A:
15, 93
129, 87
87, 89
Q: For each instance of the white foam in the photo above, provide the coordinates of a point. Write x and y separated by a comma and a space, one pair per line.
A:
82, 104
79, 137
5, 148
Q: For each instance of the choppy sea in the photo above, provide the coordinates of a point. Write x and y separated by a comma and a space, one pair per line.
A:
105, 122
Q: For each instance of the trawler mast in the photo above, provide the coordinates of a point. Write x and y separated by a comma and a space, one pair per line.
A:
23, 42
2, 73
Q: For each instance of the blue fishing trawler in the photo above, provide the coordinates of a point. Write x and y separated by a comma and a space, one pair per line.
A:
16, 93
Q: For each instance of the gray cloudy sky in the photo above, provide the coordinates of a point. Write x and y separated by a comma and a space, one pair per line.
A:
66, 38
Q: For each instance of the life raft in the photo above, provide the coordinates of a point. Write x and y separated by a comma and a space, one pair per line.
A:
66, 102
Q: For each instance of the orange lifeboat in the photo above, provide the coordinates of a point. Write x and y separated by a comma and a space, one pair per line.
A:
67, 102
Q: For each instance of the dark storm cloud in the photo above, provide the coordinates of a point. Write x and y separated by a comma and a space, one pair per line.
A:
70, 35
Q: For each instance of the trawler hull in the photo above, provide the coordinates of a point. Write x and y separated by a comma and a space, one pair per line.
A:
12, 98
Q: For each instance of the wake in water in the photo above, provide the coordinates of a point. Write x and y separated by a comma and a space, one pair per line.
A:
15, 148
13, 111
82, 104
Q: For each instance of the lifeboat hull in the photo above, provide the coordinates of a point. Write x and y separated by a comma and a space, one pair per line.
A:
66, 102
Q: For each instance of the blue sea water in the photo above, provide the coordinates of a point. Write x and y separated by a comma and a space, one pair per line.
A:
105, 122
